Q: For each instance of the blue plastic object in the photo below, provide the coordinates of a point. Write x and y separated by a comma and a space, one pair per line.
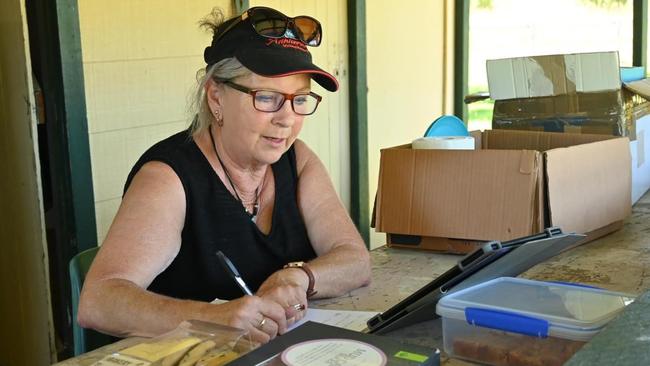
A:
510, 322
629, 74
447, 126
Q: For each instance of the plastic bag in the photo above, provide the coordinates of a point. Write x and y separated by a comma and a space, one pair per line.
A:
192, 343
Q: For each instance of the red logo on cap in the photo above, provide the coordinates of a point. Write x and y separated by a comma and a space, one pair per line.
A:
287, 43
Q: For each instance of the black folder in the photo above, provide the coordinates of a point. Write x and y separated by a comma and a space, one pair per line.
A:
397, 353
492, 260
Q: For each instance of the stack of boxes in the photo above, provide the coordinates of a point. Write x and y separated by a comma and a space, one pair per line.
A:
576, 93
524, 176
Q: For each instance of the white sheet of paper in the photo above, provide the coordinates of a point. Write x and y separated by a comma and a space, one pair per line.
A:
348, 319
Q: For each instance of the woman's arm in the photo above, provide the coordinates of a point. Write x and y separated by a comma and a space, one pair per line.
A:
143, 240
343, 262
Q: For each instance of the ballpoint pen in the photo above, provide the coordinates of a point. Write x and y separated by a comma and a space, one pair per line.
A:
233, 272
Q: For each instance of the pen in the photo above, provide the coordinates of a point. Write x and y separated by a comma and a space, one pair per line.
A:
233, 272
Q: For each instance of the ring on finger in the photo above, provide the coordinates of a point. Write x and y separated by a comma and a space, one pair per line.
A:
262, 322
298, 307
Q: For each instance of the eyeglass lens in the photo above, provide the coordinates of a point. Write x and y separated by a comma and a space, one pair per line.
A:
269, 24
270, 101
310, 32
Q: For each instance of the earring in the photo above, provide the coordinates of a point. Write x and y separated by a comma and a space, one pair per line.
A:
218, 118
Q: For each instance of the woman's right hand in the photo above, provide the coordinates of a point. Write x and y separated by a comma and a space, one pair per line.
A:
263, 318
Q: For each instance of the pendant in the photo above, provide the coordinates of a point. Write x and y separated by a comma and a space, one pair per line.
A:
252, 215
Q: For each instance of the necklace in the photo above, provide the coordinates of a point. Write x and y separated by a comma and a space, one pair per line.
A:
256, 204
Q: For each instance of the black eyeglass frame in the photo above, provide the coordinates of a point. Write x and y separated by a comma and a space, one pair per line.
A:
289, 97
287, 22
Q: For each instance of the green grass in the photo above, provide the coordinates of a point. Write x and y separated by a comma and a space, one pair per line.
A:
479, 113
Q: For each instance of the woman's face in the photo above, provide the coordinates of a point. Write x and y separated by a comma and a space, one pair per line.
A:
251, 134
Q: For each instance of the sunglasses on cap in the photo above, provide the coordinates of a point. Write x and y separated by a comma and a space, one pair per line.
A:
270, 23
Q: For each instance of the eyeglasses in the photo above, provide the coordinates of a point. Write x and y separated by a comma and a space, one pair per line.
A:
271, 101
270, 23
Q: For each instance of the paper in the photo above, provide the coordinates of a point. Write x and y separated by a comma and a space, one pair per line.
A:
348, 319
120, 360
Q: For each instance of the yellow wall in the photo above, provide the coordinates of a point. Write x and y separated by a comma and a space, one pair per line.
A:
409, 75
26, 332
140, 59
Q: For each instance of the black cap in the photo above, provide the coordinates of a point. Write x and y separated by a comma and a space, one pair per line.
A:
270, 57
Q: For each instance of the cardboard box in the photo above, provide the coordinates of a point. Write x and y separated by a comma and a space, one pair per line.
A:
514, 184
576, 93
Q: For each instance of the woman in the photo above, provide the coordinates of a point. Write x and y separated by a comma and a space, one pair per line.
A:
240, 182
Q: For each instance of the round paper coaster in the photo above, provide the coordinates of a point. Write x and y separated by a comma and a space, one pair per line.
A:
327, 352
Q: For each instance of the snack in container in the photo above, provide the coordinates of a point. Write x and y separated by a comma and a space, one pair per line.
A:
192, 343
514, 321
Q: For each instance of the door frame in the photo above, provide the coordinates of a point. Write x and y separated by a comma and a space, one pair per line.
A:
70, 206
359, 176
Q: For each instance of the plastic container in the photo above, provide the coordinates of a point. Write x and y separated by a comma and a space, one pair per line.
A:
514, 321
192, 342
447, 125
634, 73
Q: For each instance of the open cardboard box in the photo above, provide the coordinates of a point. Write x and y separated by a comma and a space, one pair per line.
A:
515, 183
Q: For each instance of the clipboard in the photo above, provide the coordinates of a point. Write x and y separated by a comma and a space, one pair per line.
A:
492, 260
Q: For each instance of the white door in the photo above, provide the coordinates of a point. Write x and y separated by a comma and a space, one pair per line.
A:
25, 315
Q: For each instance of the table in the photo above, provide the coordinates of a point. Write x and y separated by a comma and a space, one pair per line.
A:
615, 262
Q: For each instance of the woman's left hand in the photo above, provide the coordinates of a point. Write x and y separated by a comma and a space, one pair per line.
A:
287, 287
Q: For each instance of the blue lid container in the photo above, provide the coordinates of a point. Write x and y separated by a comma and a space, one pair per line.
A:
513, 318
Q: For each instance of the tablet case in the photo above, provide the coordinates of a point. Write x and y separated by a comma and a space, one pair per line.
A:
492, 260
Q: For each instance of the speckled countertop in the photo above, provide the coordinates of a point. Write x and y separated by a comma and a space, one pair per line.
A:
619, 261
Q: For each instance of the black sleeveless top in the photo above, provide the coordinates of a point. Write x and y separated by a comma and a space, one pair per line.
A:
215, 220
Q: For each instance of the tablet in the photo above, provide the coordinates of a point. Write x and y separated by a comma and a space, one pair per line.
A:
492, 260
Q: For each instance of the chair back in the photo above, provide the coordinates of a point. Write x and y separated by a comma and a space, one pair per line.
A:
84, 339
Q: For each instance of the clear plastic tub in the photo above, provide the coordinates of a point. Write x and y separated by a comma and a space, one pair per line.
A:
513, 321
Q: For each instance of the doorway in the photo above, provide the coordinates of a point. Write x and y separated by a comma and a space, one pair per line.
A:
66, 178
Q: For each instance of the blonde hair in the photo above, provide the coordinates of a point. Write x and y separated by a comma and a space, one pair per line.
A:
226, 69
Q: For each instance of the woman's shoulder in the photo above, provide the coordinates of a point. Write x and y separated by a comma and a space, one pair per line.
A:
304, 155
170, 145
169, 155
